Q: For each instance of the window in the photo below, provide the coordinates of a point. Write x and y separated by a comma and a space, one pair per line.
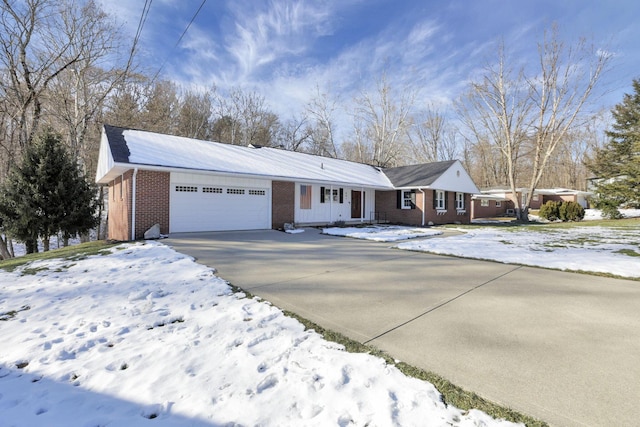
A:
305, 197
536, 197
440, 202
408, 199
257, 193
329, 195
484, 203
186, 189
235, 191
498, 204
215, 190
460, 201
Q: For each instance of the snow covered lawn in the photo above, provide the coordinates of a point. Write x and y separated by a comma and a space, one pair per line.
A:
381, 233
595, 249
145, 336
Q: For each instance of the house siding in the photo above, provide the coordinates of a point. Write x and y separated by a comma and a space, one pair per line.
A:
119, 213
544, 198
387, 208
492, 210
152, 201
282, 203
152, 204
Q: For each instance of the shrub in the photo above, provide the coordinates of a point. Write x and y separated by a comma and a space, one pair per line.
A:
609, 209
571, 211
550, 210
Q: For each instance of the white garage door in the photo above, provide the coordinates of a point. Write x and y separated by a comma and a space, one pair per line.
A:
216, 207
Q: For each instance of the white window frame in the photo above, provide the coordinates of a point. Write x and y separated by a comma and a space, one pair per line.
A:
440, 204
498, 204
484, 203
407, 199
460, 201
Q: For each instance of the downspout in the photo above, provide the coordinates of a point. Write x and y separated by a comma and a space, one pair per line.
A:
133, 205
423, 204
362, 207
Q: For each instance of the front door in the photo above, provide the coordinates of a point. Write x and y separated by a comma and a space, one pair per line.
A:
356, 204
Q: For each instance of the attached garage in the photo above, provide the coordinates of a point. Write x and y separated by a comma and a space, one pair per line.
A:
213, 203
189, 185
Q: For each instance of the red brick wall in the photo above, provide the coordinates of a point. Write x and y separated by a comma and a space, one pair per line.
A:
492, 210
386, 206
282, 203
119, 213
152, 204
152, 201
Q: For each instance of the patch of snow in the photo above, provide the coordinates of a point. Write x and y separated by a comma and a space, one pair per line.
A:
596, 214
381, 233
145, 333
295, 231
595, 249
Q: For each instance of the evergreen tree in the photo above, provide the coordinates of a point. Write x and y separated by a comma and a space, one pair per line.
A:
617, 165
46, 194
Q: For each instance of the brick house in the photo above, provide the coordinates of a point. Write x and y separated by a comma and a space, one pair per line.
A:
189, 185
500, 202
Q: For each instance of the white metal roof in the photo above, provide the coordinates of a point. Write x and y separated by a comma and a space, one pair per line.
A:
148, 149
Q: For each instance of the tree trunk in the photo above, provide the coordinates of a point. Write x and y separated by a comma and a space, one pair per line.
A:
45, 243
31, 246
4, 248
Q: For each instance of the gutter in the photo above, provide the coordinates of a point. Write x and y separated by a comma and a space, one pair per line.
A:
123, 167
133, 205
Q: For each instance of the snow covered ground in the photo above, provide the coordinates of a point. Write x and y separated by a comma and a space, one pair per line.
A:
594, 249
381, 233
590, 248
145, 336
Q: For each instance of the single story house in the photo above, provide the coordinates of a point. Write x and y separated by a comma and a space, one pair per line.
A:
500, 202
189, 185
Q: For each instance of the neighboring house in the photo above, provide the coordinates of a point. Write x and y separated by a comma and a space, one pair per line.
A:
500, 202
189, 185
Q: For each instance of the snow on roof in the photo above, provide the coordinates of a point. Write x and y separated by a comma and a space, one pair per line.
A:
154, 149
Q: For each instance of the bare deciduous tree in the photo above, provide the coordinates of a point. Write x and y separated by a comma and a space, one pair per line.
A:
534, 112
294, 133
194, 116
431, 137
59, 61
243, 118
385, 117
321, 110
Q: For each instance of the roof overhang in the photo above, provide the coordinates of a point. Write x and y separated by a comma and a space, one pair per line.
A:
117, 169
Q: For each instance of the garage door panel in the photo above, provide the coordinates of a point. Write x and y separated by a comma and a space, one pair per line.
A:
218, 208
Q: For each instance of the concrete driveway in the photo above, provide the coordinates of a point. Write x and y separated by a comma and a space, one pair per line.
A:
561, 347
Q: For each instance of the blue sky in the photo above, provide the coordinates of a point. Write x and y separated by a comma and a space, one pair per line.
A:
284, 48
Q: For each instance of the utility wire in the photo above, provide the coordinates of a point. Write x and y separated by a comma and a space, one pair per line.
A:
179, 40
143, 19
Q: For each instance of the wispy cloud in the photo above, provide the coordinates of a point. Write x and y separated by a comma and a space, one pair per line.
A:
283, 28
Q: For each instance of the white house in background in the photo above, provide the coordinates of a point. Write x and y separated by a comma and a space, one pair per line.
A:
189, 185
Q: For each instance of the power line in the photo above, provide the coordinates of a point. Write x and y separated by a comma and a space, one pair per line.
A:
141, 22
179, 39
